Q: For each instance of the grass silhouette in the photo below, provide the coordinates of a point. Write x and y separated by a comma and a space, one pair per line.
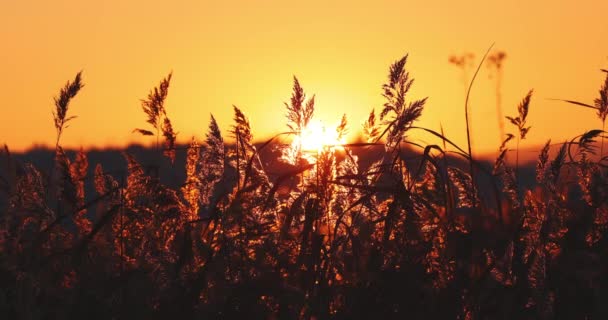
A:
272, 231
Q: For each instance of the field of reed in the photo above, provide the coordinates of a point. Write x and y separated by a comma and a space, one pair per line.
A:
273, 230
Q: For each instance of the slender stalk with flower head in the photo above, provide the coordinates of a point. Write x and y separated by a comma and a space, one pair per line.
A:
154, 107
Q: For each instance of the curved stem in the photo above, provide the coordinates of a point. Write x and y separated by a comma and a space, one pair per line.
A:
466, 115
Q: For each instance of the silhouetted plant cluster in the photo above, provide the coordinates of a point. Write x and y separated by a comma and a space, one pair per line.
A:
329, 237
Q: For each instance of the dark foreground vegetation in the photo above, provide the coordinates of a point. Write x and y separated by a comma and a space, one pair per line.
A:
329, 236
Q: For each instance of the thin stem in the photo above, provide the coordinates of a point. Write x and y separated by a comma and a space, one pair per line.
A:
517, 161
157, 127
448, 189
466, 115
58, 137
238, 161
299, 158
602, 142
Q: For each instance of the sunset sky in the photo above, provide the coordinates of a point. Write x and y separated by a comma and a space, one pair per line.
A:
246, 52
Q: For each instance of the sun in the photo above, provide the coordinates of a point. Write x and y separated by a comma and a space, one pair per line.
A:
315, 137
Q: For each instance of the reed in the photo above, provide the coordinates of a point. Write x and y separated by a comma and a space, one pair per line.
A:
386, 228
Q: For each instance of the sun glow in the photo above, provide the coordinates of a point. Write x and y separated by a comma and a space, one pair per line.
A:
316, 136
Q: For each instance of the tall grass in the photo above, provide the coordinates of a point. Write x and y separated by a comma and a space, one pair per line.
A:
353, 231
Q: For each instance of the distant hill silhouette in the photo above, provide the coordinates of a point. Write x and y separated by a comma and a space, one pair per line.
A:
173, 174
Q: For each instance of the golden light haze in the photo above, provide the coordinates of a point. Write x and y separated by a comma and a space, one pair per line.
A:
246, 52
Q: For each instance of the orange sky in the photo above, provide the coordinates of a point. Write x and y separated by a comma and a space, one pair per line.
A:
245, 53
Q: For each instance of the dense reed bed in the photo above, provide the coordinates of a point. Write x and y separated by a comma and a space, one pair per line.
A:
330, 236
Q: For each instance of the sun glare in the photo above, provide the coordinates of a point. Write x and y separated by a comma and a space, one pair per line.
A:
316, 136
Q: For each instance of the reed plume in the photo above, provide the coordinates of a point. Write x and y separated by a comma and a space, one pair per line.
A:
299, 111
495, 63
402, 114
520, 123
62, 103
154, 107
